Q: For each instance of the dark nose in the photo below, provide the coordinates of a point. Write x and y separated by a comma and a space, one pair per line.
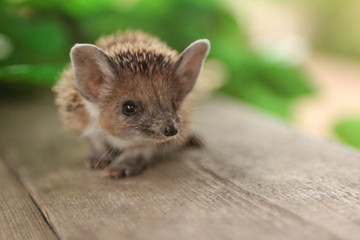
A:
170, 130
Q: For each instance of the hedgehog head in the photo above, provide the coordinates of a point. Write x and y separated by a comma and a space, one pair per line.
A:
137, 93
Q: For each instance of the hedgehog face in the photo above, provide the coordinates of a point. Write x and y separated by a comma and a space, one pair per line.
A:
142, 108
138, 92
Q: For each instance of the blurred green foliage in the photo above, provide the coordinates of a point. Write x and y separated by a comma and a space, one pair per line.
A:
348, 130
41, 33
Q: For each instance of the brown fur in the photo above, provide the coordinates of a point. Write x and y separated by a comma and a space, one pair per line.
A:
71, 103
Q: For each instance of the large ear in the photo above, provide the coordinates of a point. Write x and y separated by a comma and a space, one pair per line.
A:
189, 64
92, 67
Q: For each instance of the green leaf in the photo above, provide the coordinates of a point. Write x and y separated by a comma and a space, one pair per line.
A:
348, 130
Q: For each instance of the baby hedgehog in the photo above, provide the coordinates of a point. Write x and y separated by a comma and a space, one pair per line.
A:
127, 95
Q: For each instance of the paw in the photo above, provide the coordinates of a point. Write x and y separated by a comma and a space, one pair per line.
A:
195, 142
95, 163
125, 168
100, 160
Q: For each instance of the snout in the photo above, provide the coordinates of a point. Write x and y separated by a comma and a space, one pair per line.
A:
170, 130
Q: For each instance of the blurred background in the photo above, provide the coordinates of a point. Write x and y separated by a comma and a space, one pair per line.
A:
297, 59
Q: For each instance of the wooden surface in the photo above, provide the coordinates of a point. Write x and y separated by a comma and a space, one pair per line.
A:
19, 216
257, 179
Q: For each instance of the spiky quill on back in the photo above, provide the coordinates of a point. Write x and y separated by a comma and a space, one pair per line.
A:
137, 52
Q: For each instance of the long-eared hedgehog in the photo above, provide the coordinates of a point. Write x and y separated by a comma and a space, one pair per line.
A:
128, 96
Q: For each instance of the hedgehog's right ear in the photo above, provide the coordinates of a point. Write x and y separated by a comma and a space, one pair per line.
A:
92, 68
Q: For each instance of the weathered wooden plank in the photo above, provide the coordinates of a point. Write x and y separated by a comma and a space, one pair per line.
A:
19, 216
257, 180
314, 179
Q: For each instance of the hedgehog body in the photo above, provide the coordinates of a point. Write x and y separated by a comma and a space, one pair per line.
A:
128, 93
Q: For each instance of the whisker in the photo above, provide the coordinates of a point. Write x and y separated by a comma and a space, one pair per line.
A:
181, 138
98, 162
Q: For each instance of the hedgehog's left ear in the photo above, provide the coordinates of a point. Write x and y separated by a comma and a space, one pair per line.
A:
189, 64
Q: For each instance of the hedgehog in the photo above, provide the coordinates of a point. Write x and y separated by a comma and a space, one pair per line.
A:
128, 96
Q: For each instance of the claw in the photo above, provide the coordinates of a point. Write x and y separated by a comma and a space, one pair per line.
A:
92, 164
124, 169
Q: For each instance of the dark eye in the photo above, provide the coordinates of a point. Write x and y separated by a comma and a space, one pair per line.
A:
129, 108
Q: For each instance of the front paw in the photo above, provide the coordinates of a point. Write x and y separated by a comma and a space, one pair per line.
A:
97, 163
126, 167
100, 160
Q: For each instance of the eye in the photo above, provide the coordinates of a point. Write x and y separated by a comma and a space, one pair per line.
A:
129, 108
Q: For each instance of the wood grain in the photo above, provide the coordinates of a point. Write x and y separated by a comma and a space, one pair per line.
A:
19, 216
314, 179
257, 179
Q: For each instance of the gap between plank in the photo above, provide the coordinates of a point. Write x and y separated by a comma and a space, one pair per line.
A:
8, 153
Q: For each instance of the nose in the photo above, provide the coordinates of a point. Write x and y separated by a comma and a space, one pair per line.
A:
170, 130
